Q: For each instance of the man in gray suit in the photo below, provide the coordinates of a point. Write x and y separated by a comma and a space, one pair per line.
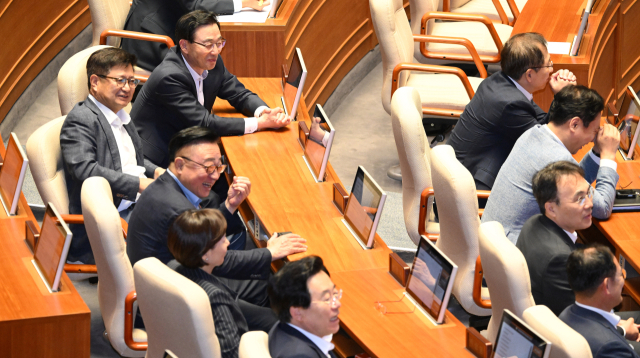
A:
99, 139
574, 120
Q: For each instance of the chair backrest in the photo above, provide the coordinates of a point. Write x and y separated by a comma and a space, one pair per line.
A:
176, 312
414, 153
45, 162
396, 42
108, 14
420, 7
115, 274
506, 274
565, 342
254, 344
457, 204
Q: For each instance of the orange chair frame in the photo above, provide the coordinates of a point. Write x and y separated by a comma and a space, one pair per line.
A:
446, 7
128, 324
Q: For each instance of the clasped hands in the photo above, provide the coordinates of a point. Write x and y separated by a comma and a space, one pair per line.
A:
273, 118
560, 79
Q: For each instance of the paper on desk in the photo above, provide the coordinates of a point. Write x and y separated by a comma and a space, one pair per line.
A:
247, 15
559, 48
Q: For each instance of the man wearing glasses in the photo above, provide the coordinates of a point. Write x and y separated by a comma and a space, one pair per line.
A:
574, 121
98, 139
182, 89
565, 200
307, 304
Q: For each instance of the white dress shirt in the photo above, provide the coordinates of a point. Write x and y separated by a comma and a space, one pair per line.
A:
125, 145
250, 124
613, 318
323, 343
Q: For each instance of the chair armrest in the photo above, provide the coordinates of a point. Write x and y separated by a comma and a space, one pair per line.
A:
430, 68
79, 219
423, 39
514, 10
77, 268
422, 218
477, 286
465, 17
501, 13
128, 324
483, 194
136, 36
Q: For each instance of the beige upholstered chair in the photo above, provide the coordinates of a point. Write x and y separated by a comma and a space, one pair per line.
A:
506, 273
116, 291
565, 342
254, 344
457, 201
105, 15
415, 163
176, 312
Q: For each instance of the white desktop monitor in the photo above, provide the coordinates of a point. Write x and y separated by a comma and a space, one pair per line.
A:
628, 116
294, 85
53, 246
575, 47
12, 172
517, 339
431, 279
315, 152
364, 207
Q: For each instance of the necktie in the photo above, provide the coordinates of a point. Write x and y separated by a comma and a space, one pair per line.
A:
200, 93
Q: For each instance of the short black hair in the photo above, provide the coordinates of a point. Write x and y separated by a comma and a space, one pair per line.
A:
545, 182
193, 233
189, 23
102, 61
522, 52
288, 287
587, 267
190, 136
575, 101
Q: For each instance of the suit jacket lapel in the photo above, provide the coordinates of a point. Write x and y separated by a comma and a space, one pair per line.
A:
183, 67
594, 316
294, 332
558, 231
108, 132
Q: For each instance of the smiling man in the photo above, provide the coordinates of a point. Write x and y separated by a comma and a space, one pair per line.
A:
574, 121
181, 91
307, 304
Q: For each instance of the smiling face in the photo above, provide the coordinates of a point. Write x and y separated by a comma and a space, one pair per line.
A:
108, 92
321, 318
567, 212
198, 57
192, 175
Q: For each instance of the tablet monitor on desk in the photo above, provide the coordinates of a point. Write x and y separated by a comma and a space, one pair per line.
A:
628, 116
516, 339
275, 4
431, 279
315, 152
294, 84
364, 208
12, 174
52, 248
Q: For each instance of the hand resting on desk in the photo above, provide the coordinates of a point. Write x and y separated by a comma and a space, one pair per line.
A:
285, 245
255, 4
273, 118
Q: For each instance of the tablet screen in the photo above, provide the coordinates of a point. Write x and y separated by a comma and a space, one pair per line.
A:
12, 174
364, 207
516, 339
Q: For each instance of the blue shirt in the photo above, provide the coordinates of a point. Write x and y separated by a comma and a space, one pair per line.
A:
193, 198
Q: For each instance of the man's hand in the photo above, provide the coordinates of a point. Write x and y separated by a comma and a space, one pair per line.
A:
273, 118
561, 79
631, 328
316, 133
158, 172
607, 142
238, 191
285, 245
255, 4
144, 183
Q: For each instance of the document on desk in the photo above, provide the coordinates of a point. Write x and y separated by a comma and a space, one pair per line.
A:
559, 48
247, 15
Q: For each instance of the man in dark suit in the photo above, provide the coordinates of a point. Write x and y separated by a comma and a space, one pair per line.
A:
597, 280
160, 17
547, 239
307, 304
503, 108
182, 89
98, 139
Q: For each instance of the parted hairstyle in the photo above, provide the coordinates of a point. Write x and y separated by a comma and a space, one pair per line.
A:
190, 136
587, 267
193, 233
522, 52
102, 61
545, 182
575, 101
188, 23
288, 287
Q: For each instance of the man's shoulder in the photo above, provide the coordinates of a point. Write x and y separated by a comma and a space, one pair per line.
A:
163, 196
82, 111
287, 342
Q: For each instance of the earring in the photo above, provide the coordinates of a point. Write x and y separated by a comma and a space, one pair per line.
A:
206, 259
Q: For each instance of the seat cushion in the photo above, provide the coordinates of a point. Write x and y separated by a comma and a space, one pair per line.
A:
476, 32
486, 8
441, 90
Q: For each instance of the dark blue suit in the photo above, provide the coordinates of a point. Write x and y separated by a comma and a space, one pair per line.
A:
287, 342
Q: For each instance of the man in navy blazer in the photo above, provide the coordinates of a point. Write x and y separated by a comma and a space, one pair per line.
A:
597, 280
181, 91
98, 139
307, 304
503, 108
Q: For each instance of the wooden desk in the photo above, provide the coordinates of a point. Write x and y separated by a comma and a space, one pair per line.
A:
286, 198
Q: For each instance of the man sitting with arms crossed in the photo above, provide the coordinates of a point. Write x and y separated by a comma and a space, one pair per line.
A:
546, 240
182, 89
597, 280
307, 303
503, 108
195, 167
98, 139
574, 120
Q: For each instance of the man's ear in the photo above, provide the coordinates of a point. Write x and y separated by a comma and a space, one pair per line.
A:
550, 209
183, 46
296, 313
93, 81
178, 163
574, 123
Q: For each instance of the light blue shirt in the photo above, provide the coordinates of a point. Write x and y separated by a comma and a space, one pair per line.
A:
193, 198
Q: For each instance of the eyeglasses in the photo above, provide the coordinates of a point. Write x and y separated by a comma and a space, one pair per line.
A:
209, 168
209, 46
550, 65
333, 300
122, 81
581, 200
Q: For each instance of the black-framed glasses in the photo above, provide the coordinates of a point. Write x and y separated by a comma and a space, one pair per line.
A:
209, 46
537, 67
120, 81
333, 299
209, 168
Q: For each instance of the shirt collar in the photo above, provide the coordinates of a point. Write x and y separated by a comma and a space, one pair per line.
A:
194, 74
572, 235
521, 89
193, 198
323, 343
114, 119
613, 318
